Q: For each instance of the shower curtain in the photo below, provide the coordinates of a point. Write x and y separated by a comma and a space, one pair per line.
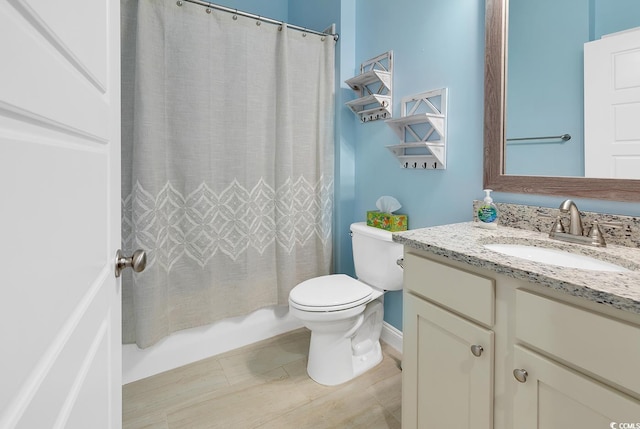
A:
227, 159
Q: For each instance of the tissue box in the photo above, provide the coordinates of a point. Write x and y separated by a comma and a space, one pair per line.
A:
387, 221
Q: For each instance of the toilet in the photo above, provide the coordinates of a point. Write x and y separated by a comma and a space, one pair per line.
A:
343, 314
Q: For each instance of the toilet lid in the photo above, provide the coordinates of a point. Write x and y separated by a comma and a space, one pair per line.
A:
330, 293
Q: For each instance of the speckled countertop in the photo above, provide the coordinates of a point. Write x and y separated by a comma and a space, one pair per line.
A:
463, 242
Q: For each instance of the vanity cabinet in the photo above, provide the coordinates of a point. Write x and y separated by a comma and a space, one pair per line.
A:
443, 349
548, 360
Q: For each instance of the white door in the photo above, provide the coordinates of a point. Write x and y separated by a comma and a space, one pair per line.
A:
612, 106
60, 364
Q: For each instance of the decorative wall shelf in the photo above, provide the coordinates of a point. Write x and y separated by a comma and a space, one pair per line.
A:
422, 130
374, 88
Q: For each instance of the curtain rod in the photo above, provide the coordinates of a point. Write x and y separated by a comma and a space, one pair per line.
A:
258, 17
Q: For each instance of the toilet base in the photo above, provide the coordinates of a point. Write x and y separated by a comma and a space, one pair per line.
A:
336, 357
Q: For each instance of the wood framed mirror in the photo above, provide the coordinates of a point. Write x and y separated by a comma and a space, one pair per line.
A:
494, 131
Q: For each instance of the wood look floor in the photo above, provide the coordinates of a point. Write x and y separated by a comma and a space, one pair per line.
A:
264, 385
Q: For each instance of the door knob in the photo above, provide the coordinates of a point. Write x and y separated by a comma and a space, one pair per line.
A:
137, 261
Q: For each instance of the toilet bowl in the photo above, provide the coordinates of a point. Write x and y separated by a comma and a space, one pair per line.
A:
345, 315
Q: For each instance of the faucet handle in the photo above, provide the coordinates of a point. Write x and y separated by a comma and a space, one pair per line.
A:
557, 225
596, 235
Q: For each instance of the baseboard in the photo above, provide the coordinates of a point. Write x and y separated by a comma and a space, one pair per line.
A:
392, 336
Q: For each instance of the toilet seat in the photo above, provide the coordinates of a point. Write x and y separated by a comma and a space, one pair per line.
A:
330, 293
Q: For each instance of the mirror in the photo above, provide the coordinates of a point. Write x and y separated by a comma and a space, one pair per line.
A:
549, 44
495, 126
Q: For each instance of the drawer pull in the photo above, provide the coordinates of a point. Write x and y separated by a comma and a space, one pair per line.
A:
476, 350
520, 375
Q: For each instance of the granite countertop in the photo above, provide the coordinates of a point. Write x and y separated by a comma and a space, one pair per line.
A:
463, 242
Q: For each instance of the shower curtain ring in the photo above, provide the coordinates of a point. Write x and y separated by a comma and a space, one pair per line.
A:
235, 15
259, 21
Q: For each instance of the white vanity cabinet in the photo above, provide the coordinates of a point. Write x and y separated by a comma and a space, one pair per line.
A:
443, 349
548, 360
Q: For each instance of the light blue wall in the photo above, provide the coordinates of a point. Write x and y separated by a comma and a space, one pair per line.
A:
610, 20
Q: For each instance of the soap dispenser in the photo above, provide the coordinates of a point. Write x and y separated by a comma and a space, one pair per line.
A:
488, 212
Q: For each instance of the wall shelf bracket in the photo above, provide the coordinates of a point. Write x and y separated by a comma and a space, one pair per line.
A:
422, 129
374, 88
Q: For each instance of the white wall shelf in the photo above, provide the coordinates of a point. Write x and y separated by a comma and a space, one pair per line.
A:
422, 130
374, 89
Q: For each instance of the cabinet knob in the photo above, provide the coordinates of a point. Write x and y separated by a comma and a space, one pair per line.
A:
476, 350
520, 375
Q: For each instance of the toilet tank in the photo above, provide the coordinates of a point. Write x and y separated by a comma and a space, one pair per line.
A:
375, 257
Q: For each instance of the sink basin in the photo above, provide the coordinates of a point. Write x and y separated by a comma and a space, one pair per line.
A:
554, 257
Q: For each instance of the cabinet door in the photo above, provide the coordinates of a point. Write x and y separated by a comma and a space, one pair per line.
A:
554, 396
444, 383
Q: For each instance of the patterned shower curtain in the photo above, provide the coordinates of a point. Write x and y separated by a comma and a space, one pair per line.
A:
227, 164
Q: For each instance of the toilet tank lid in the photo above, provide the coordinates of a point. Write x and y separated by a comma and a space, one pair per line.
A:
377, 233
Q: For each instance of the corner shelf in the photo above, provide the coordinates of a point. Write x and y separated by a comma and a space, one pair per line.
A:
422, 130
374, 88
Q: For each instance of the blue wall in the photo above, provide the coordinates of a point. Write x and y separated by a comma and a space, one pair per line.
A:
609, 19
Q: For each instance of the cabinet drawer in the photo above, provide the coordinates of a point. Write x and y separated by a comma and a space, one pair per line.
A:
606, 347
468, 294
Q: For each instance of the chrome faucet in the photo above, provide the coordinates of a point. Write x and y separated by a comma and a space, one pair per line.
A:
575, 227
